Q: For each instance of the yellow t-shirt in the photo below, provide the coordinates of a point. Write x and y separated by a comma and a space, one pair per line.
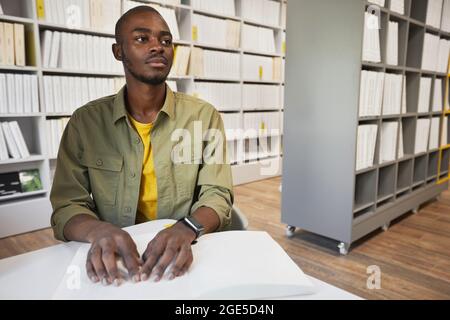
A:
148, 193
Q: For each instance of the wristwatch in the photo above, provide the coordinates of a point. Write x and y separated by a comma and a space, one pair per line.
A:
194, 225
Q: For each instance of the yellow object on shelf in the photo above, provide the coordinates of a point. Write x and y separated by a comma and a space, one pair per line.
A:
40, 9
194, 33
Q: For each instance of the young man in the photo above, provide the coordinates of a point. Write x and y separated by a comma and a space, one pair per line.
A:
115, 164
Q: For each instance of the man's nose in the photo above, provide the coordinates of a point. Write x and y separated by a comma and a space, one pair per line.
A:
155, 45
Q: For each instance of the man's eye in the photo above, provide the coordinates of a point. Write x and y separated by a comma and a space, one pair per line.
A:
166, 42
141, 39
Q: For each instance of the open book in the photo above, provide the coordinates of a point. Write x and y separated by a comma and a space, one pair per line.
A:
227, 265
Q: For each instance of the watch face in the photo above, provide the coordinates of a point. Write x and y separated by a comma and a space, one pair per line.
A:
196, 224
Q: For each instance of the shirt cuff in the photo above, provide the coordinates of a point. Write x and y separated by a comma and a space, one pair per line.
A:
221, 204
63, 215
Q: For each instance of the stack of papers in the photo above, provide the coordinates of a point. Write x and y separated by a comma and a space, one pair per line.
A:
392, 95
398, 6
437, 95
434, 133
371, 93
388, 141
422, 134
424, 95
367, 138
371, 40
392, 43
434, 12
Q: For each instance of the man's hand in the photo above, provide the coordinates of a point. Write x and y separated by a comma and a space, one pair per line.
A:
171, 244
108, 243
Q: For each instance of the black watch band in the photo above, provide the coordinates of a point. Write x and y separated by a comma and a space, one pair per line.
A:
194, 225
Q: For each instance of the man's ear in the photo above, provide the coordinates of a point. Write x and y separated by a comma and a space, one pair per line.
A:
117, 52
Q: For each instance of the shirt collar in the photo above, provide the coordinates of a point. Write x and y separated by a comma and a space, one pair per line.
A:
120, 111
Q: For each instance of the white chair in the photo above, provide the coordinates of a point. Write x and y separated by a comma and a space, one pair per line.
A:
238, 220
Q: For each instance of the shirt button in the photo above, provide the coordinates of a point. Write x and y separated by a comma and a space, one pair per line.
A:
137, 141
127, 209
133, 174
99, 162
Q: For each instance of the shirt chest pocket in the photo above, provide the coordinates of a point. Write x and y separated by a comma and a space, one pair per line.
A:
104, 174
186, 175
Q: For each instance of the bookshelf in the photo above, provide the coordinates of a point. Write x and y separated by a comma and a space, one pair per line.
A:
321, 144
31, 211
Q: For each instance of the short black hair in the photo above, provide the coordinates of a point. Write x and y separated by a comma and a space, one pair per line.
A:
123, 18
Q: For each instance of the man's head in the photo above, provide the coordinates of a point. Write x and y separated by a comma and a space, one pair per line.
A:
144, 45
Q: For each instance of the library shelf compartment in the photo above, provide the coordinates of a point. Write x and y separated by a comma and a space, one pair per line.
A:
412, 91
409, 132
415, 44
402, 41
404, 176
365, 191
444, 163
20, 10
358, 202
25, 211
30, 127
420, 169
432, 166
28, 214
418, 10
386, 184
29, 42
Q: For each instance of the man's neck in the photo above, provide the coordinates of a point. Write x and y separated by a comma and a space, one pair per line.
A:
144, 101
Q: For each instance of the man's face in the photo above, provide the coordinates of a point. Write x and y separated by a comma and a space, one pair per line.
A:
146, 49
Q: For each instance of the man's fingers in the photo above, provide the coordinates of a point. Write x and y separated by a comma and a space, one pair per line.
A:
110, 263
130, 256
131, 262
90, 271
151, 256
185, 268
183, 257
168, 256
97, 263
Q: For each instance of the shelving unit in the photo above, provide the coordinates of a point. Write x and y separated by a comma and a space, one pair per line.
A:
321, 142
26, 212
444, 151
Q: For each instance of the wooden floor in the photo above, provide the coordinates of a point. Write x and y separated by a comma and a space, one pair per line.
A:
413, 255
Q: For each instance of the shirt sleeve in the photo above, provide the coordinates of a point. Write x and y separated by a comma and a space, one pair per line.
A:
214, 178
71, 193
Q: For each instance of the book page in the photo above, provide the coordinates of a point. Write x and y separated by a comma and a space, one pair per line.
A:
227, 265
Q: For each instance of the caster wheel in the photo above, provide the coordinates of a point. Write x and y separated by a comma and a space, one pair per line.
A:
385, 227
290, 230
415, 210
343, 248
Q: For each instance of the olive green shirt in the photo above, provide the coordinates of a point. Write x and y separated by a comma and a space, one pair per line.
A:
99, 163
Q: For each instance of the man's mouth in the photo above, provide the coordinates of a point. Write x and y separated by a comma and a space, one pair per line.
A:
157, 62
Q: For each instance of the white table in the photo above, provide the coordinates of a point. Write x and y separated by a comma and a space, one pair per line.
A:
36, 275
